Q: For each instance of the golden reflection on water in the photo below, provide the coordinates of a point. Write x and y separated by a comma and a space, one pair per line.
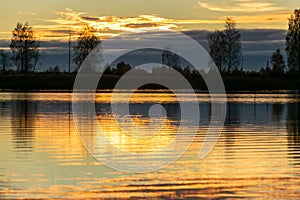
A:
158, 96
128, 141
257, 155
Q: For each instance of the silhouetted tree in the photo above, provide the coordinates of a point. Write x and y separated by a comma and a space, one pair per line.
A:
186, 71
54, 70
121, 69
233, 50
4, 60
265, 71
278, 65
171, 59
293, 42
108, 70
24, 47
217, 43
225, 46
86, 42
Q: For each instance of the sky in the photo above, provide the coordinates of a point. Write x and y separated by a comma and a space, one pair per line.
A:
261, 21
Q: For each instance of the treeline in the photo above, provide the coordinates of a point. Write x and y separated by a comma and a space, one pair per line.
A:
225, 50
24, 52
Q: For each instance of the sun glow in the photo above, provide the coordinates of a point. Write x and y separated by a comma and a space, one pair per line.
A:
107, 26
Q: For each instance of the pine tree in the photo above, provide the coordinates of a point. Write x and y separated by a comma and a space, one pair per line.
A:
171, 59
233, 50
278, 65
225, 46
293, 42
4, 60
216, 43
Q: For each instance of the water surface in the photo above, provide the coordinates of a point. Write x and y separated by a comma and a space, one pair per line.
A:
257, 155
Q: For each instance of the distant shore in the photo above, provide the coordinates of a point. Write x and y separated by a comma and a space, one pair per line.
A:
65, 81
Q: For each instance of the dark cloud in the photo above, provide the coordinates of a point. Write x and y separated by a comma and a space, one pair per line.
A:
90, 18
58, 33
263, 34
110, 19
246, 34
142, 25
258, 46
4, 43
64, 32
198, 35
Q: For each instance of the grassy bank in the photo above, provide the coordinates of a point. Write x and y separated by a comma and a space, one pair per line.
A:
64, 81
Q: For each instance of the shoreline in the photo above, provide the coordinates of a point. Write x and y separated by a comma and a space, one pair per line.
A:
196, 91
63, 82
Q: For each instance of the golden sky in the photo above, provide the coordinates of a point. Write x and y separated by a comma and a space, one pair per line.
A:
53, 19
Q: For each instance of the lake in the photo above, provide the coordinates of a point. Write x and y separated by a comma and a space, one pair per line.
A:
256, 156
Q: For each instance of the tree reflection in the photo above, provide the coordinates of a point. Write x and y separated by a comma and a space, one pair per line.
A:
277, 111
22, 121
292, 126
233, 115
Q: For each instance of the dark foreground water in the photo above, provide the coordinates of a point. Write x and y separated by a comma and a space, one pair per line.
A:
257, 155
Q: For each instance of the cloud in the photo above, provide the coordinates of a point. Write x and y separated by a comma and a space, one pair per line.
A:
241, 6
74, 20
257, 44
142, 25
87, 18
70, 21
263, 18
26, 13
